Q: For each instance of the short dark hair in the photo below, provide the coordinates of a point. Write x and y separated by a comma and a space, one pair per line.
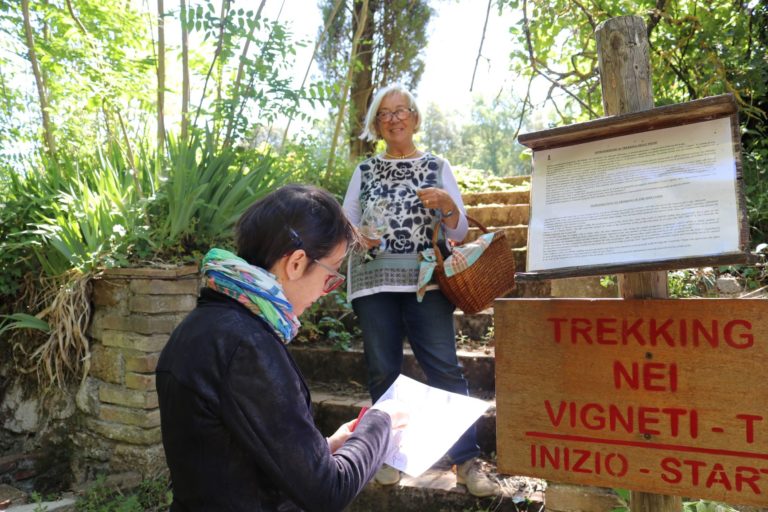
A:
290, 218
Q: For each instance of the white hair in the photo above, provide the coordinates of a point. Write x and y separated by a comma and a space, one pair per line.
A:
370, 132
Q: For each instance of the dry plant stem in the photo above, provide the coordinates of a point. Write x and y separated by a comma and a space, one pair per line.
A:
65, 352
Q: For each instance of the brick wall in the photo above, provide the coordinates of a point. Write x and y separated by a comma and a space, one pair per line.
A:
135, 311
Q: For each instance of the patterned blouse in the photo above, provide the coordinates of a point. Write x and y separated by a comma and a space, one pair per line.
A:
392, 185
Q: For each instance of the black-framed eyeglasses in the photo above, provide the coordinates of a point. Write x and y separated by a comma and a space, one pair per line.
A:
401, 114
333, 281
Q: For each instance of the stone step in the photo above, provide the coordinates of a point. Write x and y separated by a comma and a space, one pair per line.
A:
524, 180
500, 215
436, 491
521, 196
517, 236
347, 368
334, 404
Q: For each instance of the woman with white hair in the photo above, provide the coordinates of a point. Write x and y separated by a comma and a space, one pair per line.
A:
397, 199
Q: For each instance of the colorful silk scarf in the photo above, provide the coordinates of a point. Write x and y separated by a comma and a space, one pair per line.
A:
253, 287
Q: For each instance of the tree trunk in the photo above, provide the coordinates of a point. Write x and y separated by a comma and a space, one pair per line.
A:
345, 90
362, 82
50, 141
160, 81
625, 77
184, 72
217, 117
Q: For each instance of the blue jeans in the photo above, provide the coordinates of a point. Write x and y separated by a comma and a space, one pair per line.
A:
385, 319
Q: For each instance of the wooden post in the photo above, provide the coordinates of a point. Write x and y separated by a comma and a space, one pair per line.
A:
625, 77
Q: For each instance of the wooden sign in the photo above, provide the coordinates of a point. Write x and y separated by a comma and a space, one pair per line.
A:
660, 396
653, 190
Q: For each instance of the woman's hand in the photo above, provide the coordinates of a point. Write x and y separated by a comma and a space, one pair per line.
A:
370, 243
438, 199
398, 414
340, 436
397, 410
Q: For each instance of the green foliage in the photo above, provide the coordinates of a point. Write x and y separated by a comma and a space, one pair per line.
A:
398, 38
207, 189
753, 276
688, 506
95, 65
330, 319
478, 180
707, 506
304, 161
691, 283
22, 321
152, 495
756, 182
487, 141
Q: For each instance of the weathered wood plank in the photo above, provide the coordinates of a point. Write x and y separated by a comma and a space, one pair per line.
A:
661, 396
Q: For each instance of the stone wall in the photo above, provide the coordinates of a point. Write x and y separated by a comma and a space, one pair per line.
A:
135, 311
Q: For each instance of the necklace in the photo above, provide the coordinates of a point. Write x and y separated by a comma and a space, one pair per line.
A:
401, 157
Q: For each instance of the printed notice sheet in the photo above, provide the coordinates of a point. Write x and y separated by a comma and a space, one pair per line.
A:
656, 195
437, 419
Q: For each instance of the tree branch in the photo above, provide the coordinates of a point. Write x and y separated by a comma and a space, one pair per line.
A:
216, 53
526, 101
44, 107
240, 71
347, 83
311, 60
655, 17
480, 49
75, 18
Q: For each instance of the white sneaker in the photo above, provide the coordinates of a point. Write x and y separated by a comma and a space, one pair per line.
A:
478, 482
387, 475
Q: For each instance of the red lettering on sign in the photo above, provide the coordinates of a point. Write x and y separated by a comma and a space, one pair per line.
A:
652, 373
751, 481
629, 419
633, 330
557, 324
660, 331
578, 460
653, 332
749, 425
711, 335
605, 328
748, 338
696, 473
581, 326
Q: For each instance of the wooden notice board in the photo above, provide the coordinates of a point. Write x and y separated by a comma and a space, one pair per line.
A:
661, 396
652, 190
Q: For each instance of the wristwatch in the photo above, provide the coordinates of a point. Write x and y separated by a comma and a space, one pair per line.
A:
447, 214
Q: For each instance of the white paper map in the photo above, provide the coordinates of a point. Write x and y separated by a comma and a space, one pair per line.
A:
437, 419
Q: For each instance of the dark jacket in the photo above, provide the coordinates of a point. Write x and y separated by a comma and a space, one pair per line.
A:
237, 421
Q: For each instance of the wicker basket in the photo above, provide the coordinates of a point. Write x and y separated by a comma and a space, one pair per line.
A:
491, 276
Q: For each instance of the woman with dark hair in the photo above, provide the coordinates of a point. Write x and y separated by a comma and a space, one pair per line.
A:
235, 411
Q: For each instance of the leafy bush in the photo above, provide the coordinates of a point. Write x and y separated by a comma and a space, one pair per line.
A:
151, 495
330, 319
477, 180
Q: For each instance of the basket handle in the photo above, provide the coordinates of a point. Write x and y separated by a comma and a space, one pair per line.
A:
438, 254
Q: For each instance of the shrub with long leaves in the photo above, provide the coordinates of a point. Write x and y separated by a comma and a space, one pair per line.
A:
206, 191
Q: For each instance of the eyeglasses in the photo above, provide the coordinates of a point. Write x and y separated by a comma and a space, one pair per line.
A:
401, 114
333, 281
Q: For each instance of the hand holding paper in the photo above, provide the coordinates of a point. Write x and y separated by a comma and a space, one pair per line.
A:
437, 419
398, 411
